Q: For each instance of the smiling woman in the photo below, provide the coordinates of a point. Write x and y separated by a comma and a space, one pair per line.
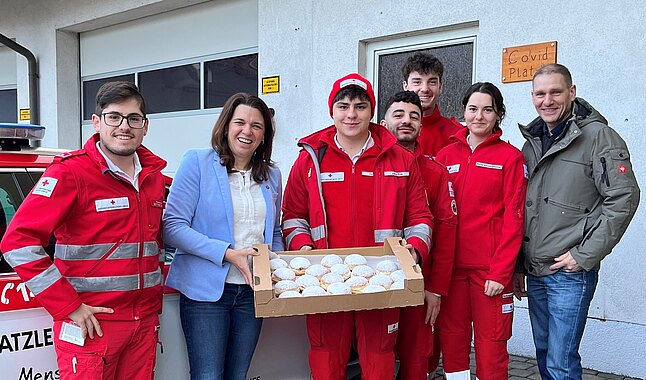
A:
223, 200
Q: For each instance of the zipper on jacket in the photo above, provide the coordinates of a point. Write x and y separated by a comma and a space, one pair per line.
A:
141, 255
353, 206
105, 256
604, 174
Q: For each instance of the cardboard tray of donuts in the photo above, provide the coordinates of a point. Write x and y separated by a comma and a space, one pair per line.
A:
331, 280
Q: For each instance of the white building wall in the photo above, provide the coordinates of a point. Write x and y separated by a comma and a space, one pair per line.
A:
7, 68
312, 43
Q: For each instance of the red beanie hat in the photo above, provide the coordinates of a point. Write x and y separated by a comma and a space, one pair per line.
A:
352, 80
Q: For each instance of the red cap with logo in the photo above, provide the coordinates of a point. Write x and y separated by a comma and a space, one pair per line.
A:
352, 80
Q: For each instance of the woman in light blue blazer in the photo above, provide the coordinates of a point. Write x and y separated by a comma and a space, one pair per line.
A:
223, 200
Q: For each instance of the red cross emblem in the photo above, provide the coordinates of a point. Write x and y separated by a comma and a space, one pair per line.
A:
329, 175
45, 183
112, 202
622, 169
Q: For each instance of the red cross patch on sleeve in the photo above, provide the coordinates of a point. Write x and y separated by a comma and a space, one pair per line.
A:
45, 186
622, 169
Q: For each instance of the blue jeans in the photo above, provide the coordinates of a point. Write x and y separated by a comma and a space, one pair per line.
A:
558, 309
220, 336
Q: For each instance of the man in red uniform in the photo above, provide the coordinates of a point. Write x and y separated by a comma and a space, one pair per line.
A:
104, 205
417, 324
423, 75
352, 185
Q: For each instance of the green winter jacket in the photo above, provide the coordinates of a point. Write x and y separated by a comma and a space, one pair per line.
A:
581, 195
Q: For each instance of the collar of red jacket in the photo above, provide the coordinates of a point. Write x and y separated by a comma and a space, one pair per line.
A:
149, 161
383, 138
461, 136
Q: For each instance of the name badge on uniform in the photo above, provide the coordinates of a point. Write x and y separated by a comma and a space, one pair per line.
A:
368, 174
111, 204
453, 168
451, 192
395, 174
45, 186
332, 177
507, 308
489, 166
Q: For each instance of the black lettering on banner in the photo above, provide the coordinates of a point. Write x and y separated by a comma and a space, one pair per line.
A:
30, 375
26, 340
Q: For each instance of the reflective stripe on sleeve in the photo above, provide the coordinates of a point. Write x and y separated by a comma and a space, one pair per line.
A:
115, 283
296, 223
381, 235
97, 251
25, 255
318, 233
422, 231
44, 280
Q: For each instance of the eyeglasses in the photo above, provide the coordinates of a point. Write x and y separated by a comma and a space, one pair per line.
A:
114, 119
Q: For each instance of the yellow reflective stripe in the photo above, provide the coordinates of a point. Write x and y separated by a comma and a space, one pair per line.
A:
25, 255
44, 280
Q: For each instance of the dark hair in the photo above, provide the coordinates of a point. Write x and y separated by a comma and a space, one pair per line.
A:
118, 92
351, 92
406, 97
423, 63
261, 160
554, 68
496, 96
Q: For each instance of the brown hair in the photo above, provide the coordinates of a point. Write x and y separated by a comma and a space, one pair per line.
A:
261, 160
554, 68
118, 92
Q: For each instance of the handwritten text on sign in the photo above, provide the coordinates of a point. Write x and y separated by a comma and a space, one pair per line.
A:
520, 62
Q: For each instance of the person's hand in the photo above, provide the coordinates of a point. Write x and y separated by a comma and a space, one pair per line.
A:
566, 262
306, 248
518, 282
493, 288
432, 307
84, 317
413, 252
238, 258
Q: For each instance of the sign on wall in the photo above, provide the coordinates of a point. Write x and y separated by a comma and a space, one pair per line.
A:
271, 85
520, 62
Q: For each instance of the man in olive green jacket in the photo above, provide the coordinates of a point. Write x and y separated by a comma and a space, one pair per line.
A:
582, 194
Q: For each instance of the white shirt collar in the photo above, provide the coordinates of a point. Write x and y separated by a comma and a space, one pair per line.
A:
367, 145
116, 170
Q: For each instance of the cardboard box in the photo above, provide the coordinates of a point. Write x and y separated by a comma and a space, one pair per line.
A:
269, 305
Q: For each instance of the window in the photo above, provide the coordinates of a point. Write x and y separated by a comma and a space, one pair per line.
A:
171, 89
9, 106
456, 48
91, 87
225, 77
11, 196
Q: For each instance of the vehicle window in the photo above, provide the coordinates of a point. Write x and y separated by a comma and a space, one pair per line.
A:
10, 198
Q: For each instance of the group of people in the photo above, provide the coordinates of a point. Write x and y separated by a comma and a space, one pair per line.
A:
465, 201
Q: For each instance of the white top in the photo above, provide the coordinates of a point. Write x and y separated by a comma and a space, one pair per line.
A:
249, 211
369, 143
117, 171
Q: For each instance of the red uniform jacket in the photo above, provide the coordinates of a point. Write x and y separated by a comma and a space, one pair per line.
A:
436, 132
490, 185
330, 202
439, 191
108, 240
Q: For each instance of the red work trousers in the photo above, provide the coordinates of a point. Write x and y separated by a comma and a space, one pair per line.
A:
331, 335
126, 350
414, 343
492, 320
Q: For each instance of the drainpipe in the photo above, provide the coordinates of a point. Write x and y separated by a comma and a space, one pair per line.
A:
33, 76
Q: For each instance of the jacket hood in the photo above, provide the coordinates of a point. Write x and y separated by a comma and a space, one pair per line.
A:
582, 114
383, 138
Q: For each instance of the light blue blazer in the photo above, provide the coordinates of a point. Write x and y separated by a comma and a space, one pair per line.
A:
199, 222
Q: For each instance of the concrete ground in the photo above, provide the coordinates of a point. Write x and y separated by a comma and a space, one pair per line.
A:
525, 368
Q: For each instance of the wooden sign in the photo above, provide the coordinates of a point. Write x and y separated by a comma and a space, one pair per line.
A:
520, 62
271, 85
